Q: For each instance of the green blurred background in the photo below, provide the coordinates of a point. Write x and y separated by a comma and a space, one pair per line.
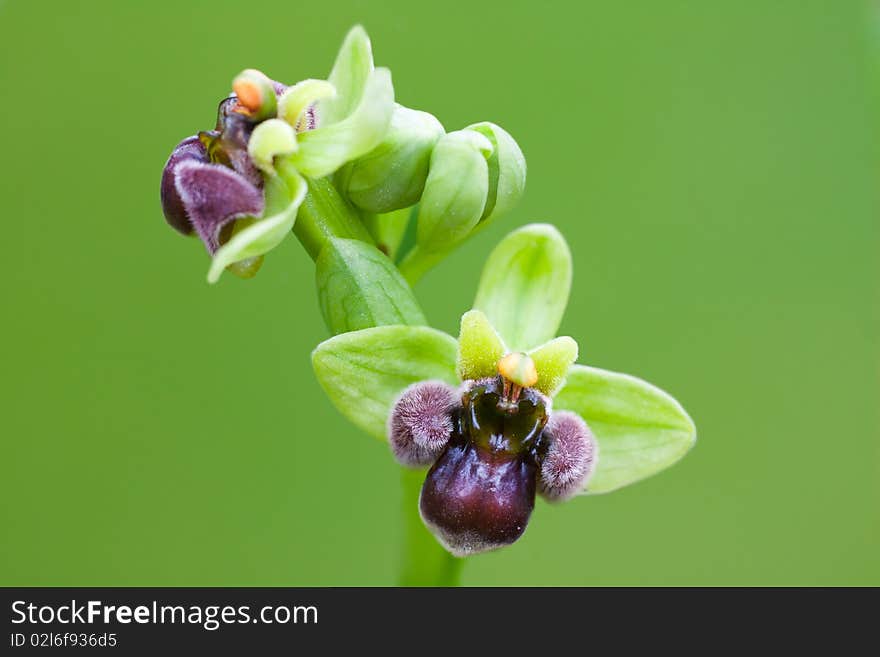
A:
714, 166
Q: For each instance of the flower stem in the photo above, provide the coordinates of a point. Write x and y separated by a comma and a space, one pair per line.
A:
417, 263
325, 214
423, 562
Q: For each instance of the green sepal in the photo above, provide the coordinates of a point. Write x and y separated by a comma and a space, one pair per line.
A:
455, 190
525, 285
392, 175
640, 430
359, 287
284, 194
352, 68
552, 362
479, 347
364, 372
507, 171
326, 148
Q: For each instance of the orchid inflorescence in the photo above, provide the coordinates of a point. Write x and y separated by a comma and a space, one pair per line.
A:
501, 414
240, 186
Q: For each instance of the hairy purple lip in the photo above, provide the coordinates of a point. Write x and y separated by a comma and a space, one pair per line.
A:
492, 448
480, 492
475, 499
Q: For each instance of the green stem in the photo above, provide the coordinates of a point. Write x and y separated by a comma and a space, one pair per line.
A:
388, 230
423, 562
325, 214
417, 263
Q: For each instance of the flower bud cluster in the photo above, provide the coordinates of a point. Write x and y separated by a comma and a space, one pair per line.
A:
239, 187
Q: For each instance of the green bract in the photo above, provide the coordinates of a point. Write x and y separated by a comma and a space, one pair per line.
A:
639, 429
359, 287
507, 171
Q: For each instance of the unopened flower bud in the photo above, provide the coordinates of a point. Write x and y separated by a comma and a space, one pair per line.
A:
256, 94
392, 175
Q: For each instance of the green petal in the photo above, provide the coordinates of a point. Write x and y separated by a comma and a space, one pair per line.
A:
283, 198
552, 361
479, 347
359, 287
364, 372
270, 139
296, 99
507, 171
326, 148
525, 285
639, 428
455, 191
352, 68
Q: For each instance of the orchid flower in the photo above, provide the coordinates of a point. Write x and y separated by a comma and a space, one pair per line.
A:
239, 187
503, 412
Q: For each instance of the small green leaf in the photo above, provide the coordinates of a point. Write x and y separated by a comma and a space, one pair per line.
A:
353, 66
326, 148
525, 285
479, 347
639, 428
359, 287
364, 372
455, 191
270, 139
507, 171
392, 175
552, 361
283, 198
296, 99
